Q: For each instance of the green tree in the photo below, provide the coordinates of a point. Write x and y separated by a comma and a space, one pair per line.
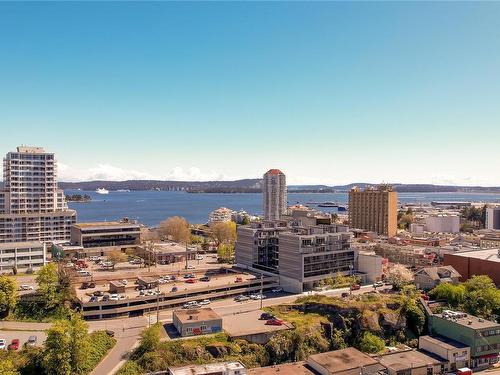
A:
370, 343
150, 340
453, 294
7, 367
67, 347
225, 253
48, 285
8, 295
482, 298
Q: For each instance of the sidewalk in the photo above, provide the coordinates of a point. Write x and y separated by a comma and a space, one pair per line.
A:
24, 326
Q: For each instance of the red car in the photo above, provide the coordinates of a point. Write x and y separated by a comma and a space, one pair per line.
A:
238, 279
190, 281
275, 322
355, 287
14, 345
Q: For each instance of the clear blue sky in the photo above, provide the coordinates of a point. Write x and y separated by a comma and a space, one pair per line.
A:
328, 92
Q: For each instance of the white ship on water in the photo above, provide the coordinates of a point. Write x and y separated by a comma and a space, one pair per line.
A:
102, 191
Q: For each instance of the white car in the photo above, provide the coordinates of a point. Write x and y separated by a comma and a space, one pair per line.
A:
191, 267
199, 257
84, 273
205, 302
94, 258
125, 282
25, 287
2, 343
114, 297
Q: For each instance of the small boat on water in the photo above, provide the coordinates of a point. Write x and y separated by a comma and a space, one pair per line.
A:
341, 208
102, 191
328, 204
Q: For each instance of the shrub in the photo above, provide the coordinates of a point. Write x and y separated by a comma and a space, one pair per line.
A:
370, 343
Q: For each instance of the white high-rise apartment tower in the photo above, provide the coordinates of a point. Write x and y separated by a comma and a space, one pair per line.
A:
274, 194
32, 208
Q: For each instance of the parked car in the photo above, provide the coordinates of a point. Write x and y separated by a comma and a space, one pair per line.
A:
31, 341
142, 292
345, 294
173, 278
124, 281
14, 345
186, 276
277, 290
98, 293
205, 278
355, 287
25, 287
241, 298
114, 297
2, 343
110, 333
275, 322
199, 257
190, 281
239, 279
93, 299
94, 258
174, 289
105, 298
191, 276
205, 302
266, 316
84, 273
378, 284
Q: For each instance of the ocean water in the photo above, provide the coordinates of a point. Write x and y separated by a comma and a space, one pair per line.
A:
151, 207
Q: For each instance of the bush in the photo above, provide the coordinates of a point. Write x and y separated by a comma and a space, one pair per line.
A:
101, 343
370, 343
130, 368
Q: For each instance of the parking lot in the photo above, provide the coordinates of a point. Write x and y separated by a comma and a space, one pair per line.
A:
130, 270
23, 336
181, 284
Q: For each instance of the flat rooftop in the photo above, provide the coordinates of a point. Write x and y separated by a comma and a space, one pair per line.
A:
406, 359
342, 360
104, 224
470, 321
194, 315
444, 342
486, 254
212, 368
296, 368
20, 245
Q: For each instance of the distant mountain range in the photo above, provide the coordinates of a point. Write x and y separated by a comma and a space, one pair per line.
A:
255, 186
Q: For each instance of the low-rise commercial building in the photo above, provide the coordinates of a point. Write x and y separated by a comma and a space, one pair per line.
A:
482, 336
442, 223
456, 353
99, 238
193, 322
429, 277
295, 368
22, 256
475, 262
490, 240
223, 368
413, 362
166, 252
349, 361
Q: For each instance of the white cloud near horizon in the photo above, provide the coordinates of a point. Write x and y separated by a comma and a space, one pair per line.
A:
113, 173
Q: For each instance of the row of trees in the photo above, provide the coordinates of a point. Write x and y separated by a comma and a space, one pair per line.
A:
478, 296
52, 299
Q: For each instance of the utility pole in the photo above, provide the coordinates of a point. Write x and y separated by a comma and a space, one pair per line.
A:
157, 303
261, 290
186, 267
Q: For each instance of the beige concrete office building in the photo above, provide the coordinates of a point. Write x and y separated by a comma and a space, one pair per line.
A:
374, 209
32, 208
